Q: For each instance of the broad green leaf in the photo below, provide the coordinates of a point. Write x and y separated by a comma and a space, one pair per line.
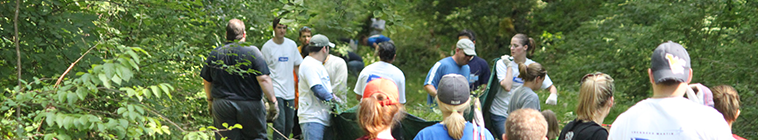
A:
72, 97
50, 118
121, 110
135, 57
226, 125
116, 80
105, 80
129, 91
139, 109
109, 69
68, 122
82, 93
123, 123
126, 73
156, 91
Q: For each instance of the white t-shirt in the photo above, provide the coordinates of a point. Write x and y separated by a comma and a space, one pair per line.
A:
385, 70
281, 60
670, 119
377, 26
337, 70
311, 109
501, 102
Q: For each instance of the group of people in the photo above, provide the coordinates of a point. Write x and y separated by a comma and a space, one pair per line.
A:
300, 90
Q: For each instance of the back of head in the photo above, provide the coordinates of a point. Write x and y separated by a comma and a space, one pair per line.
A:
467, 33
596, 91
727, 101
235, 30
386, 51
670, 64
529, 73
318, 42
525, 124
552, 124
453, 98
379, 108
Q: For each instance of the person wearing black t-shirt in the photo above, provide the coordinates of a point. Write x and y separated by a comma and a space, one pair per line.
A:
595, 102
235, 78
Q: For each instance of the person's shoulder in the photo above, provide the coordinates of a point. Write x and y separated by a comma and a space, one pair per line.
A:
334, 57
269, 43
529, 61
432, 129
290, 42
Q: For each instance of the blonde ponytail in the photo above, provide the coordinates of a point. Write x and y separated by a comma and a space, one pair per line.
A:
531, 72
455, 123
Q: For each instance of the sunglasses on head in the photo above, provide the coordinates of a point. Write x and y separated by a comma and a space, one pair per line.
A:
305, 28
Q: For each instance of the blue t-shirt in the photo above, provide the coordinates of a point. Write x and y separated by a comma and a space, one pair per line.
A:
441, 68
480, 72
377, 39
438, 132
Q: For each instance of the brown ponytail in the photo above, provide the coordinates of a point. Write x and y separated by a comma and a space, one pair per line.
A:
374, 117
531, 72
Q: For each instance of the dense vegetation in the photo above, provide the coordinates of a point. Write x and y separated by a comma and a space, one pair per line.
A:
135, 63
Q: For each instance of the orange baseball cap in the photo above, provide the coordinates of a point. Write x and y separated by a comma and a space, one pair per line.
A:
383, 86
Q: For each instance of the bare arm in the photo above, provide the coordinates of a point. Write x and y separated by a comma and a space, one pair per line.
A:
553, 89
431, 90
208, 86
507, 82
267, 86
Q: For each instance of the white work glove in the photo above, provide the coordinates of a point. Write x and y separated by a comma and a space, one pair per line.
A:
552, 99
506, 60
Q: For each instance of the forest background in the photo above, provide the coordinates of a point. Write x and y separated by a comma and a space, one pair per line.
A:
134, 64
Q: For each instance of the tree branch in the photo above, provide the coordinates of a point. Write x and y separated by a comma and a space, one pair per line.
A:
164, 117
72, 65
18, 59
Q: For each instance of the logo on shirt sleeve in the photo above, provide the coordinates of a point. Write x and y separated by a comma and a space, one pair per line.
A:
372, 77
284, 59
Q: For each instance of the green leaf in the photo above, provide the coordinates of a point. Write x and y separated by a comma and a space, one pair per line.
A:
135, 57
131, 62
105, 80
156, 91
109, 69
72, 97
121, 110
68, 122
126, 73
59, 119
81, 92
129, 91
164, 88
226, 125
139, 109
123, 123
116, 80
50, 118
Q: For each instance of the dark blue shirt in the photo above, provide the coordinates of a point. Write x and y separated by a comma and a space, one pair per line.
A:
480, 72
232, 70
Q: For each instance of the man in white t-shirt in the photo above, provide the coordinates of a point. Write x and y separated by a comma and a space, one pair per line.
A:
315, 91
282, 58
668, 115
382, 69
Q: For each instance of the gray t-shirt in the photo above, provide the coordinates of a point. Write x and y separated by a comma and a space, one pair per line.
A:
524, 97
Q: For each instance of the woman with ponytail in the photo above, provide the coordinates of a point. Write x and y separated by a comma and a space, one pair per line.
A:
379, 110
524, 96
508, 74
595, 102
453, 98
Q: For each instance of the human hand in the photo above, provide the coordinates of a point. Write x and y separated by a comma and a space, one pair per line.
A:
552, 99
272, 111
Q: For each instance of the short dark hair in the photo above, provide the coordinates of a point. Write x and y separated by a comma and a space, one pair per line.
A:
468, 33
386, 51
276, 22
315, 48
235, 30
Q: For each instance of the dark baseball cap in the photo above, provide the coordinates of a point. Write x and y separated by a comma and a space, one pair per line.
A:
453, 89
670, 61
